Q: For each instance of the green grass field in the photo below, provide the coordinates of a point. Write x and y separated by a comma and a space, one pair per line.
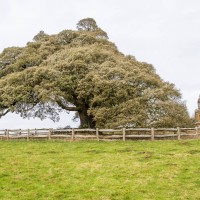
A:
100, 170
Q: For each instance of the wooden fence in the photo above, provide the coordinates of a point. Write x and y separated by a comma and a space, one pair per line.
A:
101, 134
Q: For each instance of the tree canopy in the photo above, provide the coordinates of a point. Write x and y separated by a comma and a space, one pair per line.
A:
81, 70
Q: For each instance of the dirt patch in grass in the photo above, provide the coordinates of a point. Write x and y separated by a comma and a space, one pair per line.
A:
194, 151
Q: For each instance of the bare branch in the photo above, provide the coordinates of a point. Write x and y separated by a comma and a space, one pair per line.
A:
64, 107
4, 113
28, 109
71, 108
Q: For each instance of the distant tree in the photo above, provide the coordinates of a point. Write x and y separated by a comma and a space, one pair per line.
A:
84, 72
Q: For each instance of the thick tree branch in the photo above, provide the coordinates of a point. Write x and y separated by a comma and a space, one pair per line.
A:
28, 109
70, 108
4, 113
64, 107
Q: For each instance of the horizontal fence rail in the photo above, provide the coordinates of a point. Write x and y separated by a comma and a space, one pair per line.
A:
101, 134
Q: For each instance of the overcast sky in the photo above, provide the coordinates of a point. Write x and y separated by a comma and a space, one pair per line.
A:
165, 33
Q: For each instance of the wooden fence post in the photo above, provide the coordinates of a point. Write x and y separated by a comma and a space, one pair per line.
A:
73, 133
28, 132
97, 133
124, 134
152, 134
7, 134
197, 131
49, 135
179, 133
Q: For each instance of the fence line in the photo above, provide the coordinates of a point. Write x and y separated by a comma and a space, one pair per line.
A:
101, 134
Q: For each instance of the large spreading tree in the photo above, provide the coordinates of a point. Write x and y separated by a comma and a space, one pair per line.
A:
81, 70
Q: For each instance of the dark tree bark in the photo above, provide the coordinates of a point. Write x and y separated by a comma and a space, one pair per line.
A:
86, 121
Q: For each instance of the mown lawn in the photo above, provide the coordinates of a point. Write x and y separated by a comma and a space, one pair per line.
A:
100, 170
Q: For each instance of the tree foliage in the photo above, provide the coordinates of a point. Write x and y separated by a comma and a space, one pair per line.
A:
84, 72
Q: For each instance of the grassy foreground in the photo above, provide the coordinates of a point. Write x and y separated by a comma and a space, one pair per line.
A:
100, 170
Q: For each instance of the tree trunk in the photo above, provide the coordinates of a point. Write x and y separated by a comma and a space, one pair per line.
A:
86, 121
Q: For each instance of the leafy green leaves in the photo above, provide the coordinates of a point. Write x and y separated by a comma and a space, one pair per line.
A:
82, 71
